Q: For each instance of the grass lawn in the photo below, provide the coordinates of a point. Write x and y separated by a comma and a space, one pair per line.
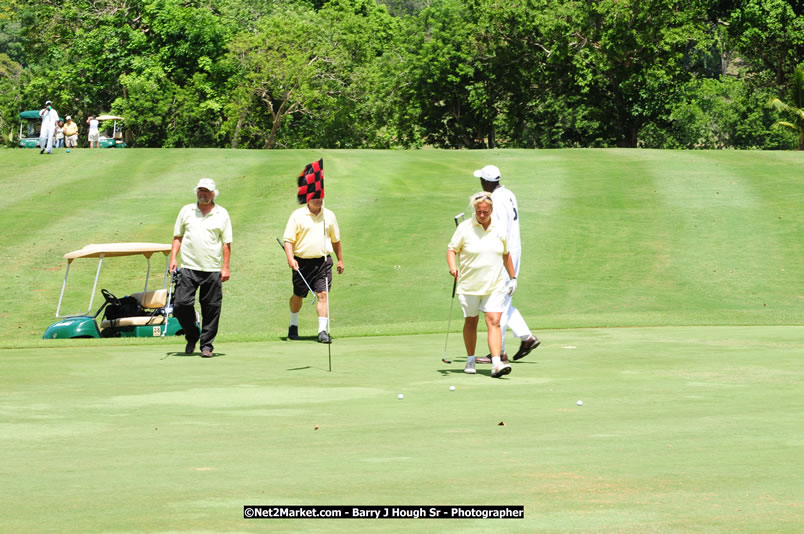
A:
611, 237
666, 287
687, 429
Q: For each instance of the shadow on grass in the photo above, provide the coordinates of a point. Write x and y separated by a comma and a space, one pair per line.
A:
301, 338
459, 370
193, 355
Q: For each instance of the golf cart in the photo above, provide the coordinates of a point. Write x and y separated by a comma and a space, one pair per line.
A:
30, 124
147, 313
111, 136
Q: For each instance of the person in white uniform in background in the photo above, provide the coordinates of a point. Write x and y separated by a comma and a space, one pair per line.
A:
506, 212
48, 131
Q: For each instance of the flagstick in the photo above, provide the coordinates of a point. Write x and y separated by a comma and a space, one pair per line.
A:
326, 282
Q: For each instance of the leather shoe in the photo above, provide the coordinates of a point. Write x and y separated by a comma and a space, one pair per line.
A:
189, 348
526, 346
323, 337
293, 332
206, 353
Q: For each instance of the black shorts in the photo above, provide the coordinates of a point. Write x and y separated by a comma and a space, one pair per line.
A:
317, 272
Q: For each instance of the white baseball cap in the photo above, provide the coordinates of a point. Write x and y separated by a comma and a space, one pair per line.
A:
490, 173
206, 183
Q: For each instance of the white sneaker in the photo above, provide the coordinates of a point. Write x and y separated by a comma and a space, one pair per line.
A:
500, 370
470, 366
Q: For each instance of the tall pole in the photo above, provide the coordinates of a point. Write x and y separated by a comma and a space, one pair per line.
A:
326, 282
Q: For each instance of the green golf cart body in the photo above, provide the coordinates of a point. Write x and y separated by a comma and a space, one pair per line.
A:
154, 311
30, 124
111, 131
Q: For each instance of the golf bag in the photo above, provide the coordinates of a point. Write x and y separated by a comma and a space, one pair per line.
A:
128, 307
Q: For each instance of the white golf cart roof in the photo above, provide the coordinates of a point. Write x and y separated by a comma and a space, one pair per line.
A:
109, 118
109, 250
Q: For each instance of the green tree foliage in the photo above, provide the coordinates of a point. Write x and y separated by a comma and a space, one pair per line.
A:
389, 73
714, 114
769, 35
547, 72
448, 82
10, 87
626, 59
795, 109
306, 77
278, 72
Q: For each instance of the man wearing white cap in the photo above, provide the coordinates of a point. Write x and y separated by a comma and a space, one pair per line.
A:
49, 118
203, 233
506, 212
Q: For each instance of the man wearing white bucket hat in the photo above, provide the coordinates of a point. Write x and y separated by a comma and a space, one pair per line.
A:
203, 233
506, 212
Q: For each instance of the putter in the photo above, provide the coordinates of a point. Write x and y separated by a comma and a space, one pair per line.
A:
449, 321
168, 309
300, 274
452, 300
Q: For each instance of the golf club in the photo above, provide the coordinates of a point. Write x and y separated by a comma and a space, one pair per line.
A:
300, 274
452, 301
168, 309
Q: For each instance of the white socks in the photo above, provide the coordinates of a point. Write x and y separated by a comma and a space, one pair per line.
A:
323, 322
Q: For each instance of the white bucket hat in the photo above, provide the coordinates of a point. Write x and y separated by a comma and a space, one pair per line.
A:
207, 183
490, 173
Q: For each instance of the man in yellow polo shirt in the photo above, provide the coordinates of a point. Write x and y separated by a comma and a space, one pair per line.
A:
203, 233
310, 235
70, 133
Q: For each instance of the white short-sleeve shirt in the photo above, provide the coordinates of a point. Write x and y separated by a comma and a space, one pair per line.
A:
203, 237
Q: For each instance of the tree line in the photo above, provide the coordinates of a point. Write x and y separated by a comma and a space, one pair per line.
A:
410, 73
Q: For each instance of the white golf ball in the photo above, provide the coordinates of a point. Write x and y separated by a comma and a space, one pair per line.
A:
579, 403
400, 396
452, 388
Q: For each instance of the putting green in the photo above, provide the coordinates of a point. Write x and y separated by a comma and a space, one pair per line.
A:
687, 429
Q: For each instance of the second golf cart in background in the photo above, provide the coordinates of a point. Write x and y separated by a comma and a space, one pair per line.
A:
111, 131
150, 313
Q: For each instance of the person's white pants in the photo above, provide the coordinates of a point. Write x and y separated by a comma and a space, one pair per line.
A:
46, 141
511, 318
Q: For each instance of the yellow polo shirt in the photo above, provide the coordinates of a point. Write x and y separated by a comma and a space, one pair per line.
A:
70, 128
305, 232
480, 253
203, 237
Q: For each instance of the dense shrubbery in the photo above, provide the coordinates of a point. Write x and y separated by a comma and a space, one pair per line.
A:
454, 74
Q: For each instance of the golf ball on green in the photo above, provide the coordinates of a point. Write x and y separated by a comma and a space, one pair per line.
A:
400, 396
452, 388
579, 403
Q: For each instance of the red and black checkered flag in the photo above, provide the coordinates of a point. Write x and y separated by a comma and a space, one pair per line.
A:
311, 182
